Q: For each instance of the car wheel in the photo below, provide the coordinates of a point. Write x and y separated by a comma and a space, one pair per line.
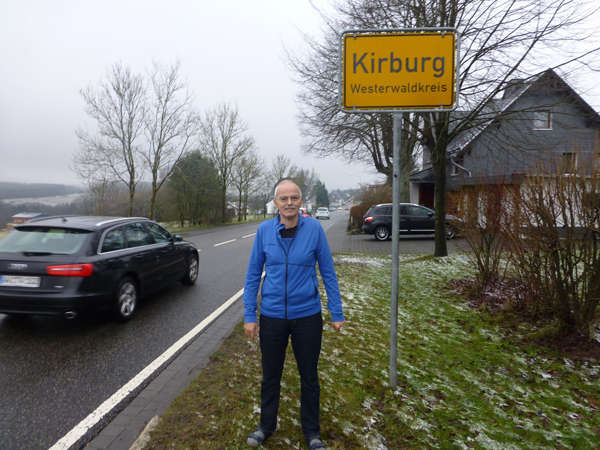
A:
382, 233
450, 231
192, 272
125, 300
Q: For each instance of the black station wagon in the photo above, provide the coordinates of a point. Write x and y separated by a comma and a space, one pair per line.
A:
69, 264
414, 219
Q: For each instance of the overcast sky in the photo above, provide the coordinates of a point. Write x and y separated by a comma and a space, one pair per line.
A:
230, 51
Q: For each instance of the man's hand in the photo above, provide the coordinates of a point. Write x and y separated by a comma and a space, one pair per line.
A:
337, 326
251, 329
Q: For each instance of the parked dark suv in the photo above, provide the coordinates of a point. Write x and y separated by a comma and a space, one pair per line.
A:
65, 265
414, 219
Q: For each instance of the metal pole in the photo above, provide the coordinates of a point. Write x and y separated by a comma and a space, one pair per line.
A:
397, 144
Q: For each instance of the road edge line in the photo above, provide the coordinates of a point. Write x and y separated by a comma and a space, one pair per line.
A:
80, 431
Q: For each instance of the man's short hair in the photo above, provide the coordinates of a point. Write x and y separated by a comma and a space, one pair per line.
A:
286, 181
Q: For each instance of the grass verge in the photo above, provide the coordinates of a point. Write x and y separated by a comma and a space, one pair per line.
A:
463, 381
176, 228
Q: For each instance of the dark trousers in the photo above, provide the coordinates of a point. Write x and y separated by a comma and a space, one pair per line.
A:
306, 334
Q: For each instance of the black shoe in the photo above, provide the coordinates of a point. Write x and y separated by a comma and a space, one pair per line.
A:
314, 443
258, 437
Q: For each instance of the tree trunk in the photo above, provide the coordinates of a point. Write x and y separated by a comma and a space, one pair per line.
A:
405, 169
131, 196
152, 200
240, 204
407, 149
439, 172
224, 199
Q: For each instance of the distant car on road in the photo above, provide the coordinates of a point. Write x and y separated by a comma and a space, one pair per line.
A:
414, 219
322, 213
304, 212
71, 264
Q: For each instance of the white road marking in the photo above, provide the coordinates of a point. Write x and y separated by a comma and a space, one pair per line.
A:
144, 438
226, 242
248, 235
71, 438
332, 223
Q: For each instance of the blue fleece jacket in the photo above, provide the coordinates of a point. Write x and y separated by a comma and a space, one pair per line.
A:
290, 288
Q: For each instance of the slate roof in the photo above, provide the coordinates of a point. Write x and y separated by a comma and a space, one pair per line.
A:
423, 176
29, 215
512, 93
514, 90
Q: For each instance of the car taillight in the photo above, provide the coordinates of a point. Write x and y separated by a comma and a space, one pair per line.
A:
71, 270
368, 219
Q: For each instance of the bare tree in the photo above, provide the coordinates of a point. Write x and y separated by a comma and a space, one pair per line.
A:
246, 171
281, 169
224, 141
103, 195
264, 191
171, 125
306, 181
501, 40
327, 131
118, 105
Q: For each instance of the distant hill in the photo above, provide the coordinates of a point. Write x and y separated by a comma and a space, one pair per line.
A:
10, 190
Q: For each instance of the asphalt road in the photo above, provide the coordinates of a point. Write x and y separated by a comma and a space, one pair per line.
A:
53, 372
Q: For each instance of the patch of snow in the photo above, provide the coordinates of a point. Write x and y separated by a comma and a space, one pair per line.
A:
362, 259
368, 403
374, 442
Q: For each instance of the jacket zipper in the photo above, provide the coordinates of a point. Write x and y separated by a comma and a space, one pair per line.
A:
286, 265
286, 282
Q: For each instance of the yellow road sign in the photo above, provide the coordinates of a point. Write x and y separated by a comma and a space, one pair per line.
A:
399, 71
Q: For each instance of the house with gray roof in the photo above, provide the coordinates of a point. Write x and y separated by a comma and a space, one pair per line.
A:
538, 122
25, 217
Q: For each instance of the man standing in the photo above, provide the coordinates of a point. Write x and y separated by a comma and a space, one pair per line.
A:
288, 248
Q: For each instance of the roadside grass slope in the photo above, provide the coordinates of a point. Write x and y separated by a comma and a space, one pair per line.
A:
463, 381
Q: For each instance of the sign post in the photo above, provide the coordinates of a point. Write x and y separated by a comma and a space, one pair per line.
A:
397, 145
399, 70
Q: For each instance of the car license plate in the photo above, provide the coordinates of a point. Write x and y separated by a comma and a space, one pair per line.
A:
19, 281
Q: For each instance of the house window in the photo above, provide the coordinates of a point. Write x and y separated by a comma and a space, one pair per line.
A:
569, 162
542, 120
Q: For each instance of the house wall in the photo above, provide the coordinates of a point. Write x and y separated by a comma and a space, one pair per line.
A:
414, 193
512, 145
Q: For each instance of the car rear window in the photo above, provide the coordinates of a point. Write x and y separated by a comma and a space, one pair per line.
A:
43, 240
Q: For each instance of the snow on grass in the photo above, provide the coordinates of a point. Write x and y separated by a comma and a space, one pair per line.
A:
452, 364
462, 381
